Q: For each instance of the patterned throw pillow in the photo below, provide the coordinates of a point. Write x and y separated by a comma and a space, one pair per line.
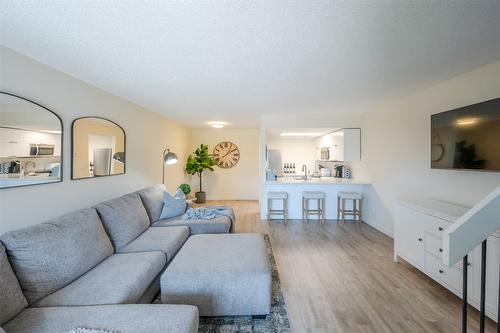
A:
172, 206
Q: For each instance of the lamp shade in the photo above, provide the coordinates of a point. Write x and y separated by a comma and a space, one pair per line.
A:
170, 158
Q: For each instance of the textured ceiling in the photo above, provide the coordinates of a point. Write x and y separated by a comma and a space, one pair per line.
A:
236, 60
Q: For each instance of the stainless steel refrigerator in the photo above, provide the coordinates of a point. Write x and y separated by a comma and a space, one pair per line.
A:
102, 161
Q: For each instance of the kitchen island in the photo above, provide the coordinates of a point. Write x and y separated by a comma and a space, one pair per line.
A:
294, 187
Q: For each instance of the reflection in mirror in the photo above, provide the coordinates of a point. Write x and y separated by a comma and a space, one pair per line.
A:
30, 143
98, 148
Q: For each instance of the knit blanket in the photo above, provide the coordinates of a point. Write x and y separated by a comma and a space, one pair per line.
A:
209, 213
202, 213
88, 330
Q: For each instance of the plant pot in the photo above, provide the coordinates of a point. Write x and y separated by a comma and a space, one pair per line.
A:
201, 197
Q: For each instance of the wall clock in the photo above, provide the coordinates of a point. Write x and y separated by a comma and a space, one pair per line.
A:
226, 154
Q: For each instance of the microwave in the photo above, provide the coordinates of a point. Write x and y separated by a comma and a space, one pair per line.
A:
40, 149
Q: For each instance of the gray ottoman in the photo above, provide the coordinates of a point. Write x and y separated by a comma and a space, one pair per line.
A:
222, 274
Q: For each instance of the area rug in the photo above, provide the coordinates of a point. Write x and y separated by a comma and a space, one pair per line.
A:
275, 322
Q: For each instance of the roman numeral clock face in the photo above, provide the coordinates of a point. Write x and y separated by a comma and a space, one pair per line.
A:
226, 154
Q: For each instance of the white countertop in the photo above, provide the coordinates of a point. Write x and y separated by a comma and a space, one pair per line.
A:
316, 181
444, 210
14, 180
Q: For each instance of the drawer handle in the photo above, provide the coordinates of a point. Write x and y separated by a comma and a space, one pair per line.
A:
441, 271
440, 228
420, 239
440, 250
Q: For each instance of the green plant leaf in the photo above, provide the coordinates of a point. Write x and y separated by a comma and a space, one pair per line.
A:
199, 161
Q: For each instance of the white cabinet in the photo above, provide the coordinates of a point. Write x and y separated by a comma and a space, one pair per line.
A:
418, 240
410, 240
13, 148
343, 145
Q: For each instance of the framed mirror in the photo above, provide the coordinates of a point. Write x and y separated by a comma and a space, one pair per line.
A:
31, 141
98, 148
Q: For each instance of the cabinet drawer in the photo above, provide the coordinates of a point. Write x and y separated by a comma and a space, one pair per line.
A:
451, 276
435, 225
434, 246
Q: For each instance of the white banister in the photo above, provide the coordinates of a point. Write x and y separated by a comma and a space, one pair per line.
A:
472, 228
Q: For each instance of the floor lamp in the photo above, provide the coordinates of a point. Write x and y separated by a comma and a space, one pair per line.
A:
169, 158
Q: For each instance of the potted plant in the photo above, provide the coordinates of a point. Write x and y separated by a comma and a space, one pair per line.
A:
198, 162
185, 188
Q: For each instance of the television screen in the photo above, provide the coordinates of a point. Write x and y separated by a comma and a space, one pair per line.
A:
467, 138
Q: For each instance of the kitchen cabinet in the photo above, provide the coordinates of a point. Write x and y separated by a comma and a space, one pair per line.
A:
16, 142
410, 240
14, 149
343, 145
418, 229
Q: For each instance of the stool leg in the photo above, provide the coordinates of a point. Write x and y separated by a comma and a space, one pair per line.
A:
360, 210
323, 210
268, 211
307, 210
303, 209
356, 216
338, 208
285, 210
343, 210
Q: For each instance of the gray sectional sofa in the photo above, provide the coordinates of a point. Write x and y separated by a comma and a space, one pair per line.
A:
97, 268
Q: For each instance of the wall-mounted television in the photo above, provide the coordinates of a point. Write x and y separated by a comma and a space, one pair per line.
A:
467, 138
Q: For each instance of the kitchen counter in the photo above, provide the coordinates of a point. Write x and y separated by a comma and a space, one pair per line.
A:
11, 180
316, 181
294, 187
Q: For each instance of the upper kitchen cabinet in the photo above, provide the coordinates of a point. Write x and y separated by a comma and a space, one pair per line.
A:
341, 145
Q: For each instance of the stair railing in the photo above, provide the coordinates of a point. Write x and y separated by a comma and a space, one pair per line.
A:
471, 230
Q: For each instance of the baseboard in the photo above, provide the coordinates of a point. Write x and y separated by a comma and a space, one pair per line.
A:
381, 229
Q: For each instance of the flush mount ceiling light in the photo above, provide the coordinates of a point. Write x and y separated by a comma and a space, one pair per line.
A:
306, 134
466, 121
217, 124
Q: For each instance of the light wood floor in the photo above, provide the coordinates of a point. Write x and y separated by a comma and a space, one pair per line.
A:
341, 278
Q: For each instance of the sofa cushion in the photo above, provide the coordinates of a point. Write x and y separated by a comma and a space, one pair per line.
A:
124, 218
167, 240
48, 256
218, 225
126, 318
172, 206
12, 300
122, 278
152, 198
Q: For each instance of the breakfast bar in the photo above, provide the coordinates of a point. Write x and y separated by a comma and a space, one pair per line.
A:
294, 187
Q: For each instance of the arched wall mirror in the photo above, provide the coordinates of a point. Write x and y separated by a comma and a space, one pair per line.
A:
31, 138
98, 148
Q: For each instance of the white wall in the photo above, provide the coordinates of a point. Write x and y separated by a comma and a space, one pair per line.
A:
396, 148
298, 151
147, 133
240, 182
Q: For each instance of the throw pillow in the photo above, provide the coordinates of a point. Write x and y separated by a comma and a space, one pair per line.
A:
172, 206
179, 194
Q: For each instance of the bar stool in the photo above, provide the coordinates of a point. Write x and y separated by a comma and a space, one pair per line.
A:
277, 196
320, 211
357, 202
